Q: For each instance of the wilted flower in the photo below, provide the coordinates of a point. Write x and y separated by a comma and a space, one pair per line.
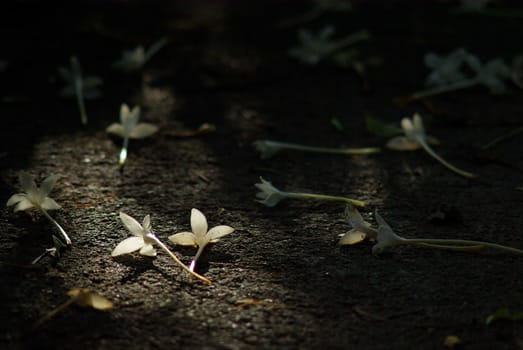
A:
199, 236
37, 198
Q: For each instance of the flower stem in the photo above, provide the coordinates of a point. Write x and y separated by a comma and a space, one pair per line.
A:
53, 221
443, 242
123, 153
497, 140
344, 151
463, 84
449, 166
175, 258
323, 197
80, 101
350, 40
466, 248
195, 259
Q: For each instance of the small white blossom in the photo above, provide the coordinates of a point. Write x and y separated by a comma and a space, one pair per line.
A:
140, 241
129, 126
134, 59
199, 236
34, 197
416, 138
361, 229
386, 237
269, 195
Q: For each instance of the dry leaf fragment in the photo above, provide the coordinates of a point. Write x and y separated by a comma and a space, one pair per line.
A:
451, 341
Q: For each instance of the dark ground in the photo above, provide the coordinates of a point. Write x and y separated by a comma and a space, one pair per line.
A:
226, 64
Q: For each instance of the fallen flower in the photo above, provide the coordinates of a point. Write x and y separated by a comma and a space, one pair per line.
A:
143, 241
315, 47
129, 128
447, 75
387, 238
37, 198
268, 148
199, 236
270, 195
136, 58
77, 85
415, 138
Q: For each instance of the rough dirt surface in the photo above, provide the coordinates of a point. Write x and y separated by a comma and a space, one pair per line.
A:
226, 64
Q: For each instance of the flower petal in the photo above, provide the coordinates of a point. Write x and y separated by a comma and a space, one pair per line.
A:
132, 225
128, 245
50, 204
148, 250
115, 129
198, 224
352, 237
402, 143
24, 204
143, 130
28, 184
184, 238
48, 184
217, 232
15, 198
147, 223
124, 112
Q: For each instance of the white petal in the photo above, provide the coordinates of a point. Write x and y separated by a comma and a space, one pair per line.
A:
147, 223
124, 112
402, 143
148, 250
198, 224
381, 222
352, 237
418, 123
184, 238
50, 204
28, 184
132, 225
143, 130
115, 129
24, 204
48, 184
99, 302
128, 245
15, 198
406, 125
219, 231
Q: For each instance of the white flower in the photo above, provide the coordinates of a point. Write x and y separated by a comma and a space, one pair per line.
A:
135, 59
34, 197
315, 47
361, 229
492, 74
200, 236
415, 138
386, 237
129, 126
445, 69
140, 241
269, 195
